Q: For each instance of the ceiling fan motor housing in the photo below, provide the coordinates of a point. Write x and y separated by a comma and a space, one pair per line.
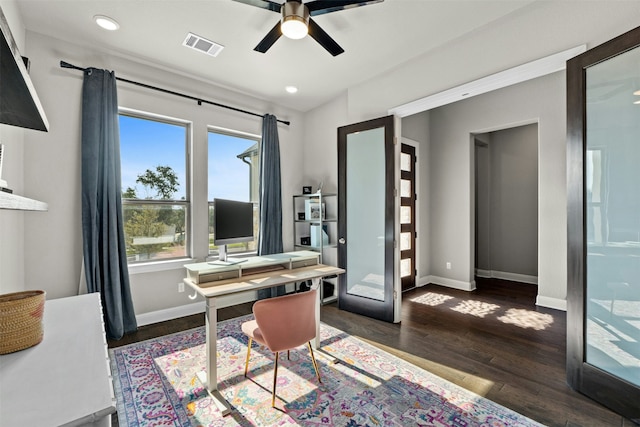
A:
295, 13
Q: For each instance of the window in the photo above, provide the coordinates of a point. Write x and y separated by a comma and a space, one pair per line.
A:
233, 174
153, 153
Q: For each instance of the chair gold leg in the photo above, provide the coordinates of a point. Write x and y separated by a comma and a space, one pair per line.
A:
246, 364
275, 379
315, 364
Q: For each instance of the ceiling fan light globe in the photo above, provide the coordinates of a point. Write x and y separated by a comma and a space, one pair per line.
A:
294, 28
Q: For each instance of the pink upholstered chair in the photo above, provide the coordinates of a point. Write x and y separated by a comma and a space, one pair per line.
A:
283, 323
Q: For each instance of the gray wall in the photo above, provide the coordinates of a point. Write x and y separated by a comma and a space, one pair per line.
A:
46, 166
51, 241
452, 152
507, 204
508, 42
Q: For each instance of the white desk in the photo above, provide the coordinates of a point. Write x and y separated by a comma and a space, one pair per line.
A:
249, 281
65, 380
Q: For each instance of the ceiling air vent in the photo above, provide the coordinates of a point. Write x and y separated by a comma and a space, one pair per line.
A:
202, 45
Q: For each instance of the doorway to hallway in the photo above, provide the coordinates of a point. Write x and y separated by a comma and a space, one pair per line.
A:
505, 238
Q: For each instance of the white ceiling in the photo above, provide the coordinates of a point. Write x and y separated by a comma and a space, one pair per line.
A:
376, 38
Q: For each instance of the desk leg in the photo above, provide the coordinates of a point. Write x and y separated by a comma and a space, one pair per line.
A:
315, 343
315, 284
209, 378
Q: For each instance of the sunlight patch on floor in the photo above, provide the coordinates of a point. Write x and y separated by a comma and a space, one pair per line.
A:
431, 299
478, 385
527, 319
475, 308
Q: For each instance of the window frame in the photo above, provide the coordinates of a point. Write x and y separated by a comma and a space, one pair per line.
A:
166, 263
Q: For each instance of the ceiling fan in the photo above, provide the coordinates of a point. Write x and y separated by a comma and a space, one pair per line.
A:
296, 20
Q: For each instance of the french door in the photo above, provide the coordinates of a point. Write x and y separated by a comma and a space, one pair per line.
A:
366, 219
603, 154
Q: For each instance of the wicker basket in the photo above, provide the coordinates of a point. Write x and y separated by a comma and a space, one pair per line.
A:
21, 320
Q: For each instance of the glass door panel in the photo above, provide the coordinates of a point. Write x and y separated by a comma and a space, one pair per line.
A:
365, 213
603, 224
612, 216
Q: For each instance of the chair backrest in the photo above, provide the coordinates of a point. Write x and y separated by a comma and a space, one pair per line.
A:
287, 321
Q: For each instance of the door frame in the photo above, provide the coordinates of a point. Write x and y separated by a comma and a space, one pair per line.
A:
416, 145
605, 388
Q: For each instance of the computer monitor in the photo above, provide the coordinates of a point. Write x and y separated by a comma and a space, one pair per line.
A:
232, 223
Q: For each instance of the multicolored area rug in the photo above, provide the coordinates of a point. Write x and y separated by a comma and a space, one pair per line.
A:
156, 385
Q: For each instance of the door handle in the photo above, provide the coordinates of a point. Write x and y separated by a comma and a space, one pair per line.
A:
342, 241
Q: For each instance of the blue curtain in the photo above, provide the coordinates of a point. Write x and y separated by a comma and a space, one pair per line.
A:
270, 240
104, 249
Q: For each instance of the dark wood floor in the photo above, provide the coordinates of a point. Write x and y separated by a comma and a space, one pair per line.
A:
493, 341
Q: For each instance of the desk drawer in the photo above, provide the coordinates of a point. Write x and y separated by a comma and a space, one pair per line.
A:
218, 275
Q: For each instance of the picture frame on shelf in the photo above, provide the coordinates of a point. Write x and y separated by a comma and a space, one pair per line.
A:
301, 216
306, 189
312, 210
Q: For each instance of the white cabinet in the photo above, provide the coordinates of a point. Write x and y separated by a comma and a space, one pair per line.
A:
66, 379
315, 227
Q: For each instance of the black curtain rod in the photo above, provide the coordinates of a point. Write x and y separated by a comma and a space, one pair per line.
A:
64, 64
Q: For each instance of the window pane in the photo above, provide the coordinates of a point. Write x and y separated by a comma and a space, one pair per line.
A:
405, 241
233, 168
405, 267
233, 174
405, 188
405, 162
234, 247
153, 159
154, 231
405, 214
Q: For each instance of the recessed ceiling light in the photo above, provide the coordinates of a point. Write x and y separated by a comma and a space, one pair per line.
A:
637, 102
637, 93
106, 22
291, 89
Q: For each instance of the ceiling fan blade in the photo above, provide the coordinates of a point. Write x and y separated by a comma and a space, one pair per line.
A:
263, 4
320, 7
324, 39
268, 40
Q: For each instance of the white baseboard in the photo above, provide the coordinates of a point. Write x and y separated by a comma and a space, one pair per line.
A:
450, 283
555, 303
193, 308
170, 313
514, 277
483, 273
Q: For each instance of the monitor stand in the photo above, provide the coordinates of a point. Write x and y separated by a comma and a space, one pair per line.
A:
224, 260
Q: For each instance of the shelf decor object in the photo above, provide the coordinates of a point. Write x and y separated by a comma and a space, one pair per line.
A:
315, 220
21, 324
